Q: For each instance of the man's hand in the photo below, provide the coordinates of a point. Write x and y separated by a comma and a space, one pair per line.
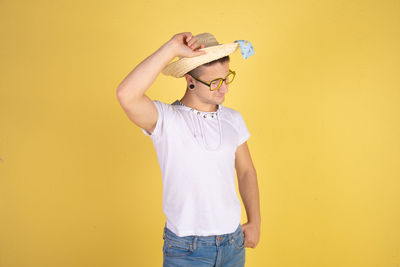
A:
185, 45
251, 233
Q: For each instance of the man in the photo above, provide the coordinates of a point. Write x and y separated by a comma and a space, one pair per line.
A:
199, 144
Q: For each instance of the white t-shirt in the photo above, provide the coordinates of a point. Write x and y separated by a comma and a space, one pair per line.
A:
196, 153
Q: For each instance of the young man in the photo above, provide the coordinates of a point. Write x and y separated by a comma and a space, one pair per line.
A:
199, 144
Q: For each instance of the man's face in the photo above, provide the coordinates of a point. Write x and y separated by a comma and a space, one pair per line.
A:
208, 73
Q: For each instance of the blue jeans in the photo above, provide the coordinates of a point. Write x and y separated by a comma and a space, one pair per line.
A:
225, 250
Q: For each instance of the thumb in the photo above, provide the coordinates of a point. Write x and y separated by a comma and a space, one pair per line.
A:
197, 53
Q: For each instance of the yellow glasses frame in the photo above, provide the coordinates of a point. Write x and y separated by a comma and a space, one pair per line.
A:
221, 80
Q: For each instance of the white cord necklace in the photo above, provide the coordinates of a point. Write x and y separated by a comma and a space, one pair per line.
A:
202, 127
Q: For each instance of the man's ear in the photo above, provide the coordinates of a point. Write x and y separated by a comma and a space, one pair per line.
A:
189, 79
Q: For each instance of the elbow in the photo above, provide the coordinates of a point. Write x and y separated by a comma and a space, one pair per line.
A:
249, 173
125, 97
120, 96
120, 93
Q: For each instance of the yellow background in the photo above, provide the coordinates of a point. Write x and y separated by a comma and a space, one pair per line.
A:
80, 184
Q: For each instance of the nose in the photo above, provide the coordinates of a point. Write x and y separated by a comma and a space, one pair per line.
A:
223, 88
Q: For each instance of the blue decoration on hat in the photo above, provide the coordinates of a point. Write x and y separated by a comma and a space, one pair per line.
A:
246, 48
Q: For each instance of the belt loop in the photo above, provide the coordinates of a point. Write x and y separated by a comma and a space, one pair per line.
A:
195, 242
165, 229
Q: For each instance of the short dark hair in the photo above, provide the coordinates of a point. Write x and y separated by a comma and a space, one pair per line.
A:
197, 71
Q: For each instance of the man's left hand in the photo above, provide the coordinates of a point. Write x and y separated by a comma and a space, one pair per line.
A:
251, 233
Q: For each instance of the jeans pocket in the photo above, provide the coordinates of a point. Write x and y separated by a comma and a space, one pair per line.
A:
238, 241
174, 248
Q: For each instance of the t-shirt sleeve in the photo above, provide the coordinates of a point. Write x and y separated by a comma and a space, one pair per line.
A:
244, 133
164, 113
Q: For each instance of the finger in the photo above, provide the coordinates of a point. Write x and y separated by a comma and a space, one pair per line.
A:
249, 244
198, 46
194, 43
191, 41
198, 51
188, 37
184, 35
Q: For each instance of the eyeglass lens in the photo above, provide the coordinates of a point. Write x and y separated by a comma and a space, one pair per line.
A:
217, 83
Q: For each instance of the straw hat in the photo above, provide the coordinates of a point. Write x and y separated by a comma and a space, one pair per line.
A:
214, 50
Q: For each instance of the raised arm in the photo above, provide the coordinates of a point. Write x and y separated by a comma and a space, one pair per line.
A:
131, 91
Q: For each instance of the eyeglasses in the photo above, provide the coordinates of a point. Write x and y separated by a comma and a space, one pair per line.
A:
215, 84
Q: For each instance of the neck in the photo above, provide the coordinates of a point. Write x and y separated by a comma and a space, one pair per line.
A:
198, 105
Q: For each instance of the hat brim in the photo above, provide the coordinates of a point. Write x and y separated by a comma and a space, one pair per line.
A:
180, 67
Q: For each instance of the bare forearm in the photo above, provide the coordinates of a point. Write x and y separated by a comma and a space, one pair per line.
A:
249, 193
139, 80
